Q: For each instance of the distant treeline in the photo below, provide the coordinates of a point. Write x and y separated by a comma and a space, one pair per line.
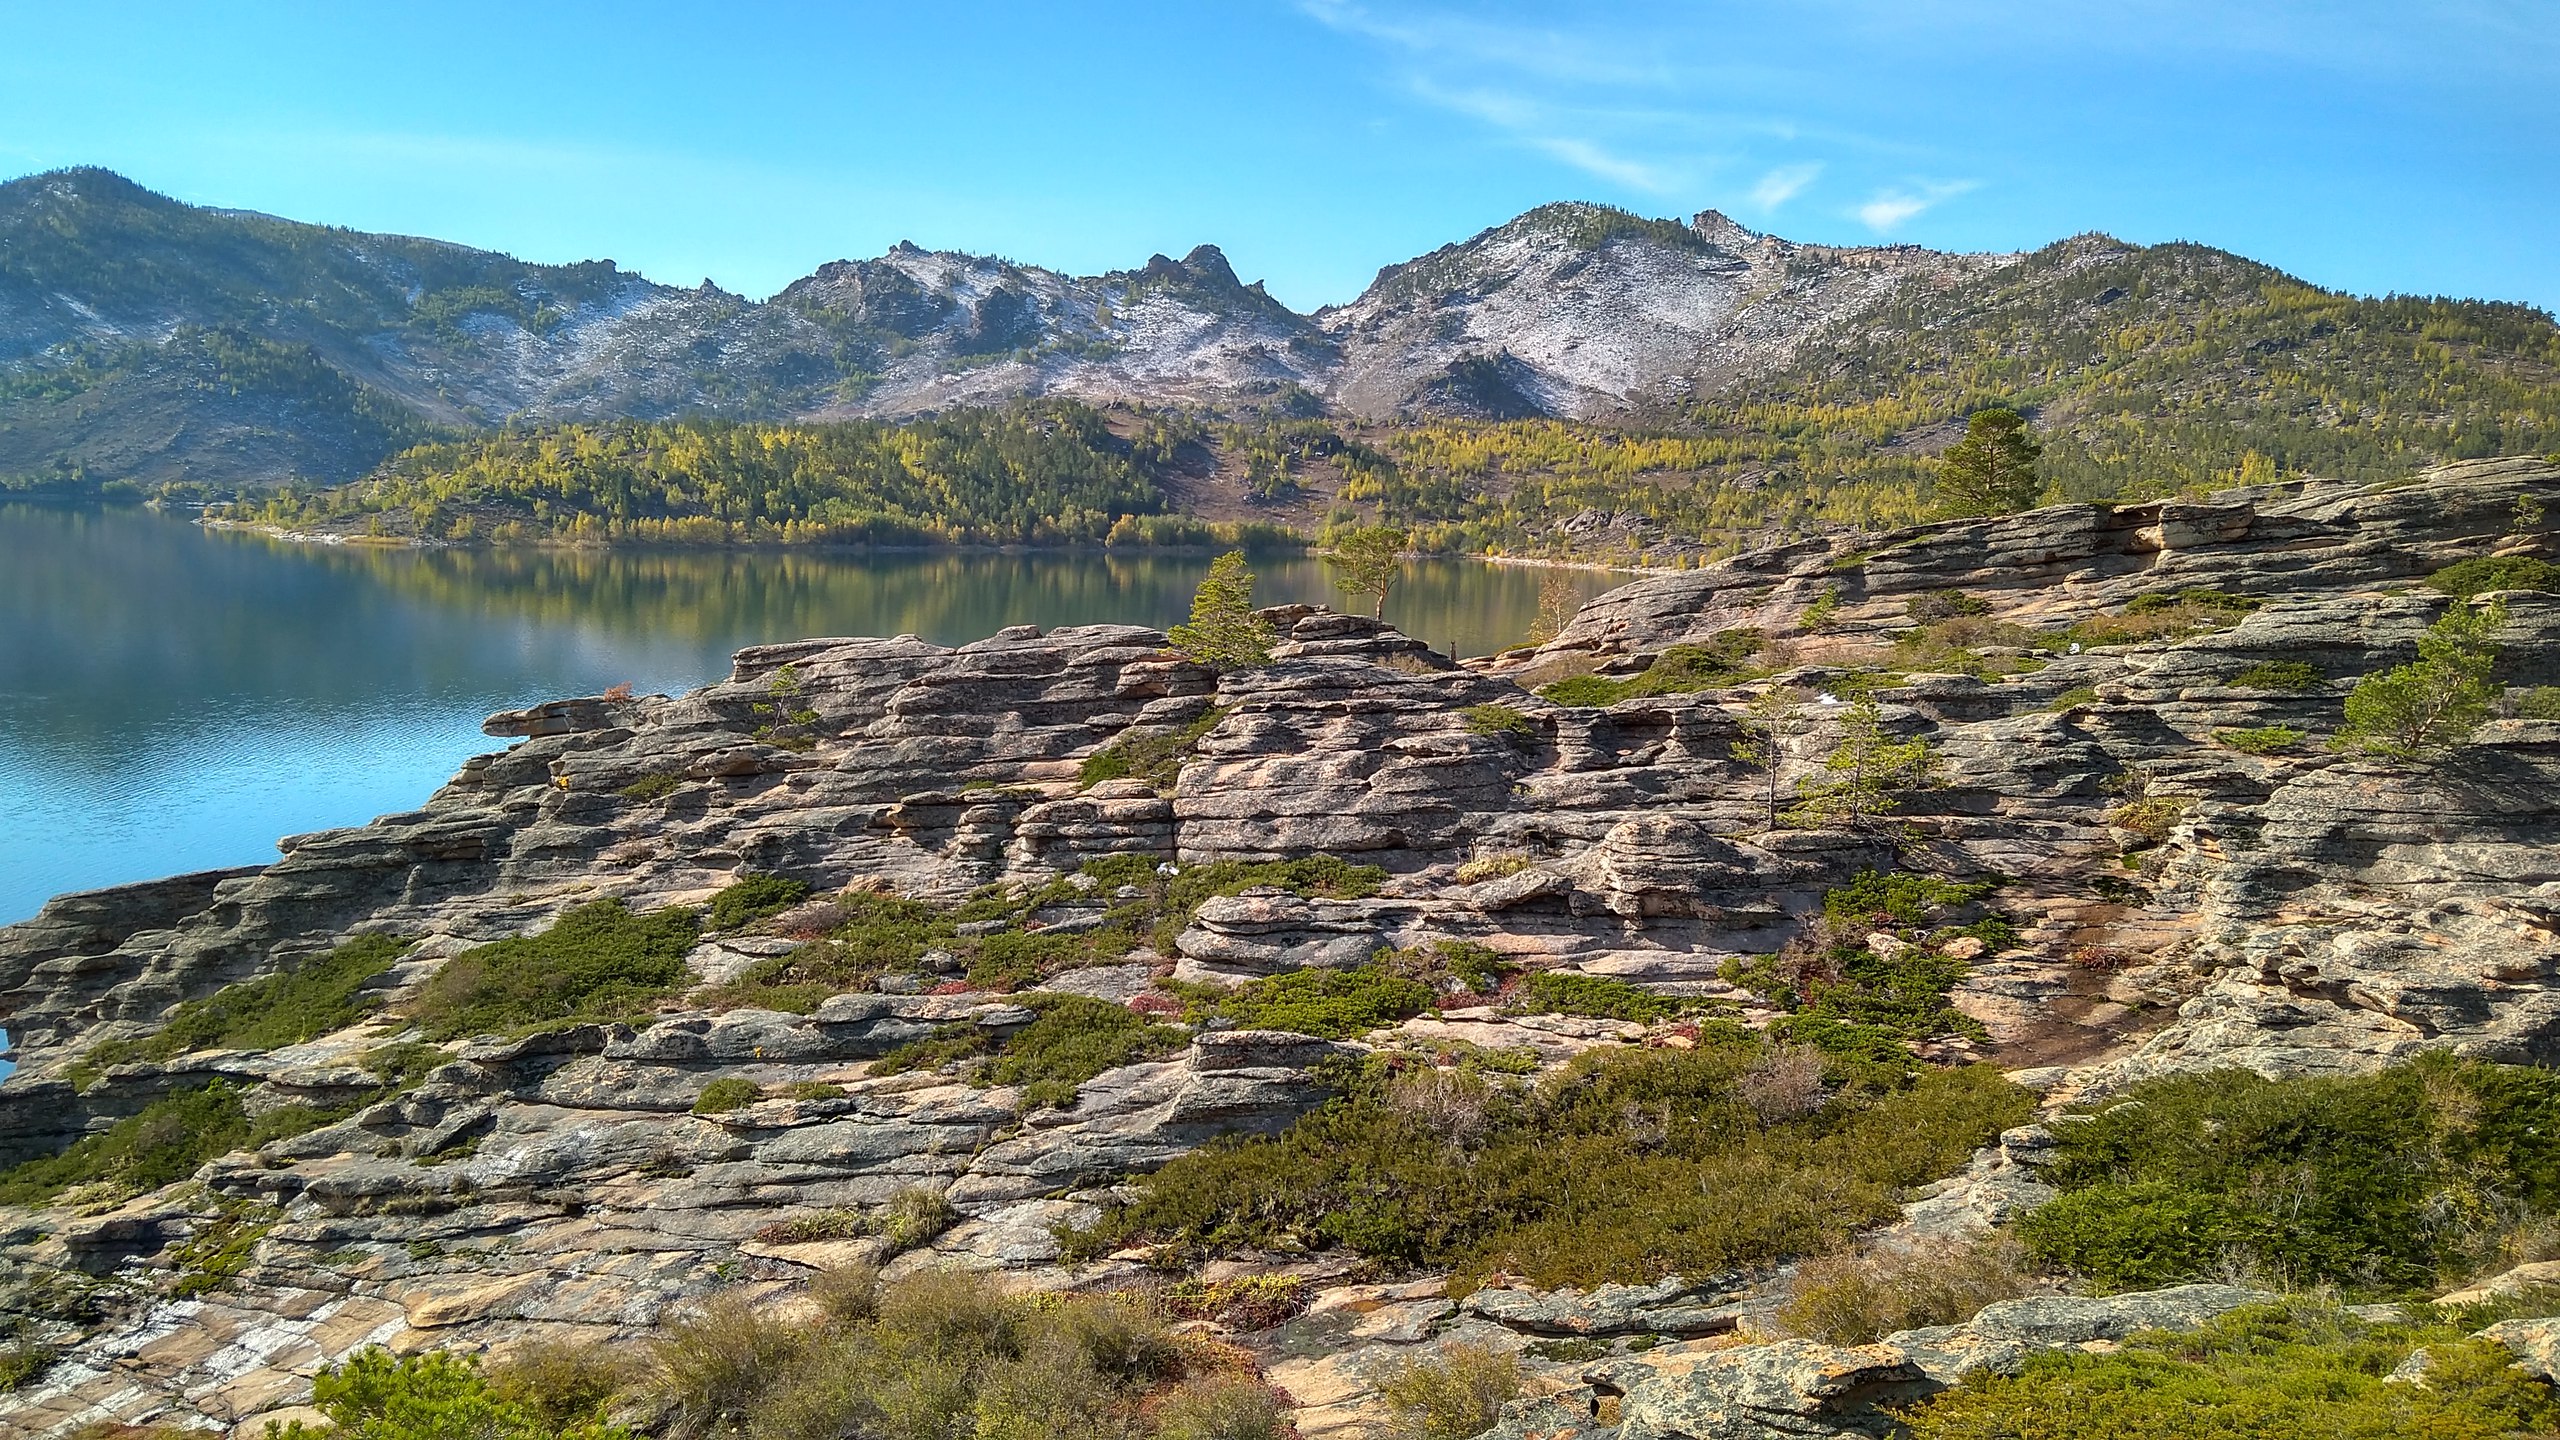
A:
1049, 472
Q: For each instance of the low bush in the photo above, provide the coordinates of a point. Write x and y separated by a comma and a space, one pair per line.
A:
915, 1217
2385, 1184
815, 1226
2151, 818
160, 1145
1242, 1302
754, 898
2162, 616
565, 1384
934, 1356
2271, 1372
1333, 1004
1500, 721
2484, 573
2263, 740
320, 996
2539, 703
2289, 677
1853, 1299
1073, 1039
23, 1361
1951, 647
597, 962
429, 1396
796, 982
1946, 605
1724, 659
1449, 967
1454, 1395
729, 1092
1857, 998
1672, 1172
654, 786
1153, 755
1491, 867
2072, 699
1552, 993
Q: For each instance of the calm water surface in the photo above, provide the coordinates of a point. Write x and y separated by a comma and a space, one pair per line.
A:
173, 698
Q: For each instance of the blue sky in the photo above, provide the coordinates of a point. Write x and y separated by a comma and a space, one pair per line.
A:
2409, 146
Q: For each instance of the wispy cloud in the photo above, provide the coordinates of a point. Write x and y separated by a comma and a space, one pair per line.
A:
1888, 208
1783, 184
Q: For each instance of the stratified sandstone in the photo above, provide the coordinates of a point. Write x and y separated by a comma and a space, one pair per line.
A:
2308, 910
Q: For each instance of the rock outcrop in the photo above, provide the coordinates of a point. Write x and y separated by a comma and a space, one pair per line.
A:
2296, 911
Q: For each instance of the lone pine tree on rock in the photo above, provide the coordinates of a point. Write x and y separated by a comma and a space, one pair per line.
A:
1992, 470
1369, 561
1224, 632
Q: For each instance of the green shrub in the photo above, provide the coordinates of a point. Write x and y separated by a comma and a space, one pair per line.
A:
729, 1092
2539, 703
1334, 1004
915, 1217
2417, 710
428, 1396
1948, 647
1937, 605
2072, 699
2272, 1372
1671, 1172
1013, 959
2290, 677
2263, 740
1499, 721
2484, 573
796, 982
1242, 1302
1551, 993
1454, 1395
1899, 899
1223, 1407
23, 1361
160, 1145
597, 962
754, 898
1587, 692
322, 995
565, 1383
654, 786
1073, 1039
1855, 1299
2380, 1183
2162, 616
1496, 867
1447, 966
1154, 755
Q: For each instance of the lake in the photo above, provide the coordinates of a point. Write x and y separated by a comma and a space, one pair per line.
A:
174, 698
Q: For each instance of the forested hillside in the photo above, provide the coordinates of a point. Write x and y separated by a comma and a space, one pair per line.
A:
1034, 473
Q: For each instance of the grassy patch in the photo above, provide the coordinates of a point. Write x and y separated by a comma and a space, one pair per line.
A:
1492, 867
2072, 699
321, 996
597, 962
2385, 1184
2287, 677
2482, 574
1153, 755
753, 899
2271, 1372
2542, 702
1855, 1299
1626, 1165
2261, 740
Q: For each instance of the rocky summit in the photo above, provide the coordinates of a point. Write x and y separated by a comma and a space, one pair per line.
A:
2125, 712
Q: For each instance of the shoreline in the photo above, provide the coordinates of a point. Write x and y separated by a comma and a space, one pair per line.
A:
1018, 547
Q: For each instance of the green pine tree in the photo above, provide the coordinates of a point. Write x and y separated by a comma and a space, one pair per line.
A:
1369, 561
1992, 470
2434, 704
1224, 632
1865, 776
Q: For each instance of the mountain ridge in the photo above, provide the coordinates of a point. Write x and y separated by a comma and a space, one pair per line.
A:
148, 341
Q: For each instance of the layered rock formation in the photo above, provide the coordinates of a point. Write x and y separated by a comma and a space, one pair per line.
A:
2299, 910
